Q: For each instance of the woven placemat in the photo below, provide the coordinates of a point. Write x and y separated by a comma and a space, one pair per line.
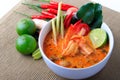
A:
14, 66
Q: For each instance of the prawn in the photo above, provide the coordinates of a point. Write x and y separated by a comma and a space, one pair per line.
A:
77, 44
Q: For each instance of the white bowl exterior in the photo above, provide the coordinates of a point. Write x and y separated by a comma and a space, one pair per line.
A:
79, 73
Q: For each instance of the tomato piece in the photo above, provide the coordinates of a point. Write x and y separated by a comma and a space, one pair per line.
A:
81, 28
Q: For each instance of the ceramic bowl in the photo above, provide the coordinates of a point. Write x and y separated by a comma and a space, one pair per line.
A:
75, 73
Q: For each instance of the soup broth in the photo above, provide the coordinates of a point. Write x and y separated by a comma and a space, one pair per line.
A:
54, 53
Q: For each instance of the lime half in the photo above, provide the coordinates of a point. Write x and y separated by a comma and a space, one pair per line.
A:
98, 37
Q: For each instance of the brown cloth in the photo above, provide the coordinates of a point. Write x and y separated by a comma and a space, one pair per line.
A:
14, 66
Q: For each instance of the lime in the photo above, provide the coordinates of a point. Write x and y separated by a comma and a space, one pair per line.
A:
36, 54
25, 26
98, 37
26, 44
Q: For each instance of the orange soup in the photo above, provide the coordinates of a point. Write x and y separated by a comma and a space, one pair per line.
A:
79, 60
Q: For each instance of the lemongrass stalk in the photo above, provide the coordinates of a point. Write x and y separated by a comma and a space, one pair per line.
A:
62, 26
54, 31
58, 18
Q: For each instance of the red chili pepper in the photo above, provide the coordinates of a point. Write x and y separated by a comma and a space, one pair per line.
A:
64, 6
48, 14
53, 3
56, 3
78, 26
68, 35
46, 6
41, 17
85, 29
67, 20
54, 11
53, 6
36, 16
